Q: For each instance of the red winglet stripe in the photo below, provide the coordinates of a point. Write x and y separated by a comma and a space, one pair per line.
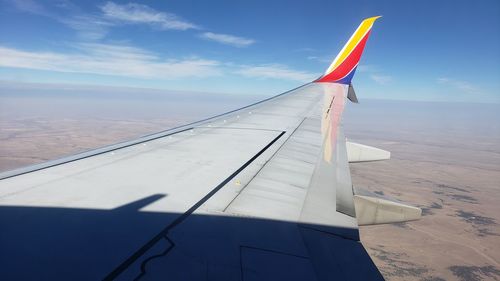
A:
348, 64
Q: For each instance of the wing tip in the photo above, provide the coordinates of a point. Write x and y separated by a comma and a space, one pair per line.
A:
343, 67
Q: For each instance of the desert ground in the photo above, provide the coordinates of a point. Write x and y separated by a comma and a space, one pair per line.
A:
446, 160
458, 237
451, 172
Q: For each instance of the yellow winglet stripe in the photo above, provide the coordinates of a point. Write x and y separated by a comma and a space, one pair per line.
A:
356, 37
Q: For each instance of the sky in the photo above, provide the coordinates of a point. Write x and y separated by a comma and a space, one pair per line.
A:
418, 50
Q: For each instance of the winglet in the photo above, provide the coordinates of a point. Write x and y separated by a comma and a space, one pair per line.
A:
344, 65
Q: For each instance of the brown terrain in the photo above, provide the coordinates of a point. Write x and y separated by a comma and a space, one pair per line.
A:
455, 181
29, 141
458, 237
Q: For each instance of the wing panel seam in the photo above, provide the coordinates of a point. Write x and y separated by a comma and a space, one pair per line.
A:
270, 158
129, 261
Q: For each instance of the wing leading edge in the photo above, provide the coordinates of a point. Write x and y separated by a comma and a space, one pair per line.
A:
259, 193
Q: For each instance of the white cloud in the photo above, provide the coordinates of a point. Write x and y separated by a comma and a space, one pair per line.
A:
381, 79
367, 68
375, 74
107, 59
227, 39
94, 27
277, 71
320, 59
129, 61
306, 49
30, 6
462, 86
88, 27
142, 14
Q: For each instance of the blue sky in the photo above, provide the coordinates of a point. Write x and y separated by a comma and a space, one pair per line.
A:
419, 50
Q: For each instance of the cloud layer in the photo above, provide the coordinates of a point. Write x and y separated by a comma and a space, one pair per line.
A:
277, 71
381, 79
141, 14
92, 55
376, 74
462, 86
227, 39
120, 60
107, 59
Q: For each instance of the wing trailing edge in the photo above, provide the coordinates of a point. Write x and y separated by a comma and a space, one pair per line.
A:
363, 153
373, 210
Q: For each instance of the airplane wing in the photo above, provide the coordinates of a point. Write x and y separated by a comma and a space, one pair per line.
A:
260, 193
